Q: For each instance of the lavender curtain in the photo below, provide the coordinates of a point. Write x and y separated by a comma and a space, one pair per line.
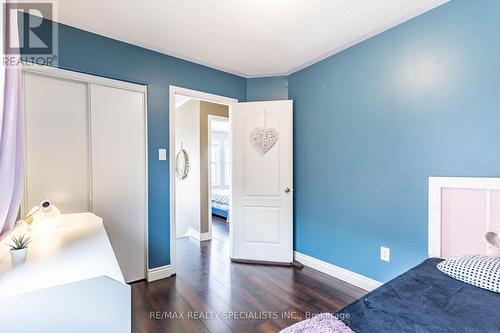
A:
11, 144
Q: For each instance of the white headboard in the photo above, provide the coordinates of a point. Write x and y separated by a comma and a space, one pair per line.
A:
461, 211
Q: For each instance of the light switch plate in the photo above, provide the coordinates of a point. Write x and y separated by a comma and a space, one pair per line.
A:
162, 154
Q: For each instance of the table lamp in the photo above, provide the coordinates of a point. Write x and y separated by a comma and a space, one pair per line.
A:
44, 215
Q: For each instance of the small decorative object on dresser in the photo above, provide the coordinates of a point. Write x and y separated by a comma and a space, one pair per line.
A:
19, 248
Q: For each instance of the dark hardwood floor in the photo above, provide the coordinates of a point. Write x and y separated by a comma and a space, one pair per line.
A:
211, 294
220, 230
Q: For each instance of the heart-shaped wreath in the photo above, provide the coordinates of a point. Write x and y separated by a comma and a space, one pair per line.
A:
263, 139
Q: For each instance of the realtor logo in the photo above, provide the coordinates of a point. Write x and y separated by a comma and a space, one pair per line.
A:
30, 32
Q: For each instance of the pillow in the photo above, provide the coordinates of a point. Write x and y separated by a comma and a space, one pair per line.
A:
480, 271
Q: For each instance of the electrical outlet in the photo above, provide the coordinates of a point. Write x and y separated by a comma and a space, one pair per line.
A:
385, 253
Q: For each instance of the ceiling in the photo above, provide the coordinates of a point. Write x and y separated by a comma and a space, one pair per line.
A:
250, 38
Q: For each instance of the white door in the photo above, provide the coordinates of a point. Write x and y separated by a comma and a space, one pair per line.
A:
262, 189
57, 152
119, 173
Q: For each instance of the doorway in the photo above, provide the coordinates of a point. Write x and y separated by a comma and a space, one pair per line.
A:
260, 215
199, 172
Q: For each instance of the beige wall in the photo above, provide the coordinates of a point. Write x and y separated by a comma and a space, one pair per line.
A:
206, 108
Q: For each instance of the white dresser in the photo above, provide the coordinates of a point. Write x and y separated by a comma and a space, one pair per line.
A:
71, 281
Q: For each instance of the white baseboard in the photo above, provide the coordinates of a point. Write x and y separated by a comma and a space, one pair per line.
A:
160, 273
205, 236
343, 274
197, 235
192, 233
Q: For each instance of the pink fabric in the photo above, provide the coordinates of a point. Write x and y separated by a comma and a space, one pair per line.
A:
11, 145
463, 222
322, 323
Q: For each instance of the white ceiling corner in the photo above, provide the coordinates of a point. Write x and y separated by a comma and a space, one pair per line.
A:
248, 38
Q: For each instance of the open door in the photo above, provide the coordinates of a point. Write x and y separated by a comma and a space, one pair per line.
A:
262, 189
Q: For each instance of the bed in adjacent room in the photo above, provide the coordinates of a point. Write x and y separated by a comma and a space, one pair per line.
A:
220, 202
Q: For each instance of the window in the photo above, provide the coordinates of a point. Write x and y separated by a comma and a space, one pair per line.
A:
215, 165
220, 155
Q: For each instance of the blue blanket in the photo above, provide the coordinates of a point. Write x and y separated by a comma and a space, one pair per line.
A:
424, 300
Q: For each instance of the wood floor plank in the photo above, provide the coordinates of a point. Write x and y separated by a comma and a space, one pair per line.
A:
209, 293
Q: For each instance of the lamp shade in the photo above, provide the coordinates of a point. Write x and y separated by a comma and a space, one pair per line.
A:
45, 216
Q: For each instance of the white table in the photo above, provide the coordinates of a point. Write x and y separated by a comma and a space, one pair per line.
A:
77, 249
71, 281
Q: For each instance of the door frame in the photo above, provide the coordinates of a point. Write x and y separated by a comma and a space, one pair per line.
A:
209, 129
202, 96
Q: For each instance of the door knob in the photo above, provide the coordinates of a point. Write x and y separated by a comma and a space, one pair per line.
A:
287, 189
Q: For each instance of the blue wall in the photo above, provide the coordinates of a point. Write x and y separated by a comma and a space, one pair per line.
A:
373, 122
94, 54
267, 89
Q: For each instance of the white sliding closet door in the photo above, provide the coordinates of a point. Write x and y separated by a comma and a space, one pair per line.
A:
118, 143
57, 161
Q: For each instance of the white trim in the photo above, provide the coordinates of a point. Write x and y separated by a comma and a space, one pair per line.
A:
173, 90
436, 184
160, 273
205, 236
24, 200
479, 183
88, 79
88, 88
196, 235
340, 273
81, 77
192, 233
202, 96
146, 175
488, 210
